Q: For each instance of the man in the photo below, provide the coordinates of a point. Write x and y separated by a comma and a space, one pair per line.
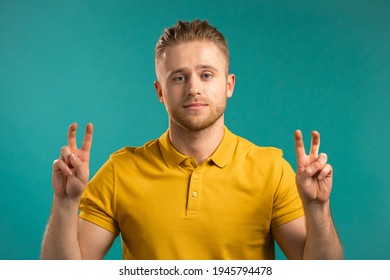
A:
199, 191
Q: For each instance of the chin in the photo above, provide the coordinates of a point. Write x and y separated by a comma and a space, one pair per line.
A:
197, 125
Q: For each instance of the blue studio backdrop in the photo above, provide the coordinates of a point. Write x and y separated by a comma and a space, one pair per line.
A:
308, 64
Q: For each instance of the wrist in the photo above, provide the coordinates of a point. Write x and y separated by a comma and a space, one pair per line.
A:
317, 209
318, 218
66, 204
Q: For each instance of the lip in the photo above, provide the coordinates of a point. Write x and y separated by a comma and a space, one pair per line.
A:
195, 106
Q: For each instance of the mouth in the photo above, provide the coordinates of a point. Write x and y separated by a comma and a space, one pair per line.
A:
195, 106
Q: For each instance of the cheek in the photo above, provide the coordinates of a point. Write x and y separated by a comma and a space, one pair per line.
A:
217, 91
170, 100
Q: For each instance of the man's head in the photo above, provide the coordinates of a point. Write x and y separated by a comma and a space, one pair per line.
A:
193, 79
196, 30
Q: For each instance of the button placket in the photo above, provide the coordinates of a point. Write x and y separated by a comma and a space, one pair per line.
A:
188, 164
193, 194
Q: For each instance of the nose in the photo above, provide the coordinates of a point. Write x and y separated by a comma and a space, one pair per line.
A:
194, 86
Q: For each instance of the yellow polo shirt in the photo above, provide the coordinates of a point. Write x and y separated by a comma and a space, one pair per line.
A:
166, 207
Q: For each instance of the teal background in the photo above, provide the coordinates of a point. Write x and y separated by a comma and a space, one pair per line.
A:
321, 65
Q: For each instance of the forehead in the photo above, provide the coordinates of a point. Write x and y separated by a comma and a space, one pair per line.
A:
192, 54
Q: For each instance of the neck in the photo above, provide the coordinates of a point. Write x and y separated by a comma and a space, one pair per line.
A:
199, 144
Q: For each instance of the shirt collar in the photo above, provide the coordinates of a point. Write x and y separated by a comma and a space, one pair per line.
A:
221, 157
170, 155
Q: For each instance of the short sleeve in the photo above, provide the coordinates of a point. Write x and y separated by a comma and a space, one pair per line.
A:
98, 201
287, 202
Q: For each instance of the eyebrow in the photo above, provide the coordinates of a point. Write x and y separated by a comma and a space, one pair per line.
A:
184, 69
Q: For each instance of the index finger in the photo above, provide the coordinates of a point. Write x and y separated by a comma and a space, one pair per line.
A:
87, 141
299, 145
72, 136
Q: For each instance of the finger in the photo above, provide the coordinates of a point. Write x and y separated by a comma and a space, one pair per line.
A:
64, 154
78, 165
315, 143
316, 166
325, 172
299, 145
312, 169
60, 165
322, 160
72, 143
87, 141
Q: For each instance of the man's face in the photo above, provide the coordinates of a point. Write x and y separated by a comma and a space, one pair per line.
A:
193, 84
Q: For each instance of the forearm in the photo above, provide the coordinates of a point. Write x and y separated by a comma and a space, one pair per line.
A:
322, 241
60, 240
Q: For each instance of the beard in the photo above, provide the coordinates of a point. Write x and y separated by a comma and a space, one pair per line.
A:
198, 120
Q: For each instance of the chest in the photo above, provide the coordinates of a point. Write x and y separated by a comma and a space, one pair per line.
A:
195, 207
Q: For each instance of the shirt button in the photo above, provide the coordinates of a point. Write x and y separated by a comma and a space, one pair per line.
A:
194, 194
196, 176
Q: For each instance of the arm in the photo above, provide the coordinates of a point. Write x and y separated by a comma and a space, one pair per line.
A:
322, 241
314, 235
314, 182
67, 236
94, 241
291, 238
297, 243
70, 237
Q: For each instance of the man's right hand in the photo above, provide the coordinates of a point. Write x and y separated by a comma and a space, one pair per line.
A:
71, 170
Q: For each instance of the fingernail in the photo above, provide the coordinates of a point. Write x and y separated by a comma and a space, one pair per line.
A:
72, 157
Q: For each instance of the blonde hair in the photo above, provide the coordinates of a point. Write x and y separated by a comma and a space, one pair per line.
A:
190, 31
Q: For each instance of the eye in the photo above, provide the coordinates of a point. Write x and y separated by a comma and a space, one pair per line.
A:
207, 76
179, 79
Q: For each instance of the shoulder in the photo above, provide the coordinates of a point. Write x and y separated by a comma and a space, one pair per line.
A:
264, 158
250, 149
132, 153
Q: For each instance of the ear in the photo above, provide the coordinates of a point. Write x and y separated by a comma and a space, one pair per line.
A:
158, 88
231, 80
